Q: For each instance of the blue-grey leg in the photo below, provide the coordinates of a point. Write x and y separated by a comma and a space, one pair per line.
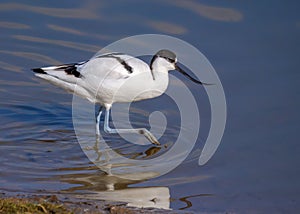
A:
98, 121
107, 167
142, 131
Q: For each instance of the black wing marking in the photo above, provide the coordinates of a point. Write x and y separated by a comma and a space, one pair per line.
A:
120, 60
69, 69
38, 70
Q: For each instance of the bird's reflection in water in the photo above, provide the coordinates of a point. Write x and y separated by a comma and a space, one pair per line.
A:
104, 185
114, 161
148, 153
187, 201
157, 197
101, 186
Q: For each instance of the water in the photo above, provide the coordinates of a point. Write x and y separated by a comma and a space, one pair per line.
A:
254, 47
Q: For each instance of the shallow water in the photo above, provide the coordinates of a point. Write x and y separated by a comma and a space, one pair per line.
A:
254, 48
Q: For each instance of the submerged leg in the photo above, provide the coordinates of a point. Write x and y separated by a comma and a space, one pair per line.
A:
142, 131
98, 121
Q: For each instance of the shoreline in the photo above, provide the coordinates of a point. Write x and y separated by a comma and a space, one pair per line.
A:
59, 203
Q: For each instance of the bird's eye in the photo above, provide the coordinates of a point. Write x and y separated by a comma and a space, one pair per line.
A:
170, 60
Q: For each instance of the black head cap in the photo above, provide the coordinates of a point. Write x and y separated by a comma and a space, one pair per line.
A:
166, 54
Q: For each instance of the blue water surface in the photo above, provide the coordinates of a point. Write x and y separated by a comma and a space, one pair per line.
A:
254, 47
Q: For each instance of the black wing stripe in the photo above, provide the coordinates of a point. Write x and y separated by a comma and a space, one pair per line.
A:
70, 69
120, 60
38, 71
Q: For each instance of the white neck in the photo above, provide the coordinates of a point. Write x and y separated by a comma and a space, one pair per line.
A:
158, 68
160, 75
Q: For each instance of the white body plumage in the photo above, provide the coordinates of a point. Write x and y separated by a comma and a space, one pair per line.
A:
106, 79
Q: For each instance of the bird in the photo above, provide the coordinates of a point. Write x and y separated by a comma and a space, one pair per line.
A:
115, 78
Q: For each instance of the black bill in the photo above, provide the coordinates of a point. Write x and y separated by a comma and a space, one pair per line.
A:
188, 76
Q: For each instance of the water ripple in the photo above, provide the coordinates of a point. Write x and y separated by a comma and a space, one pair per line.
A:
75, 13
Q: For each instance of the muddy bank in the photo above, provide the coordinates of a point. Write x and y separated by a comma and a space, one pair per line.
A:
41, 204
